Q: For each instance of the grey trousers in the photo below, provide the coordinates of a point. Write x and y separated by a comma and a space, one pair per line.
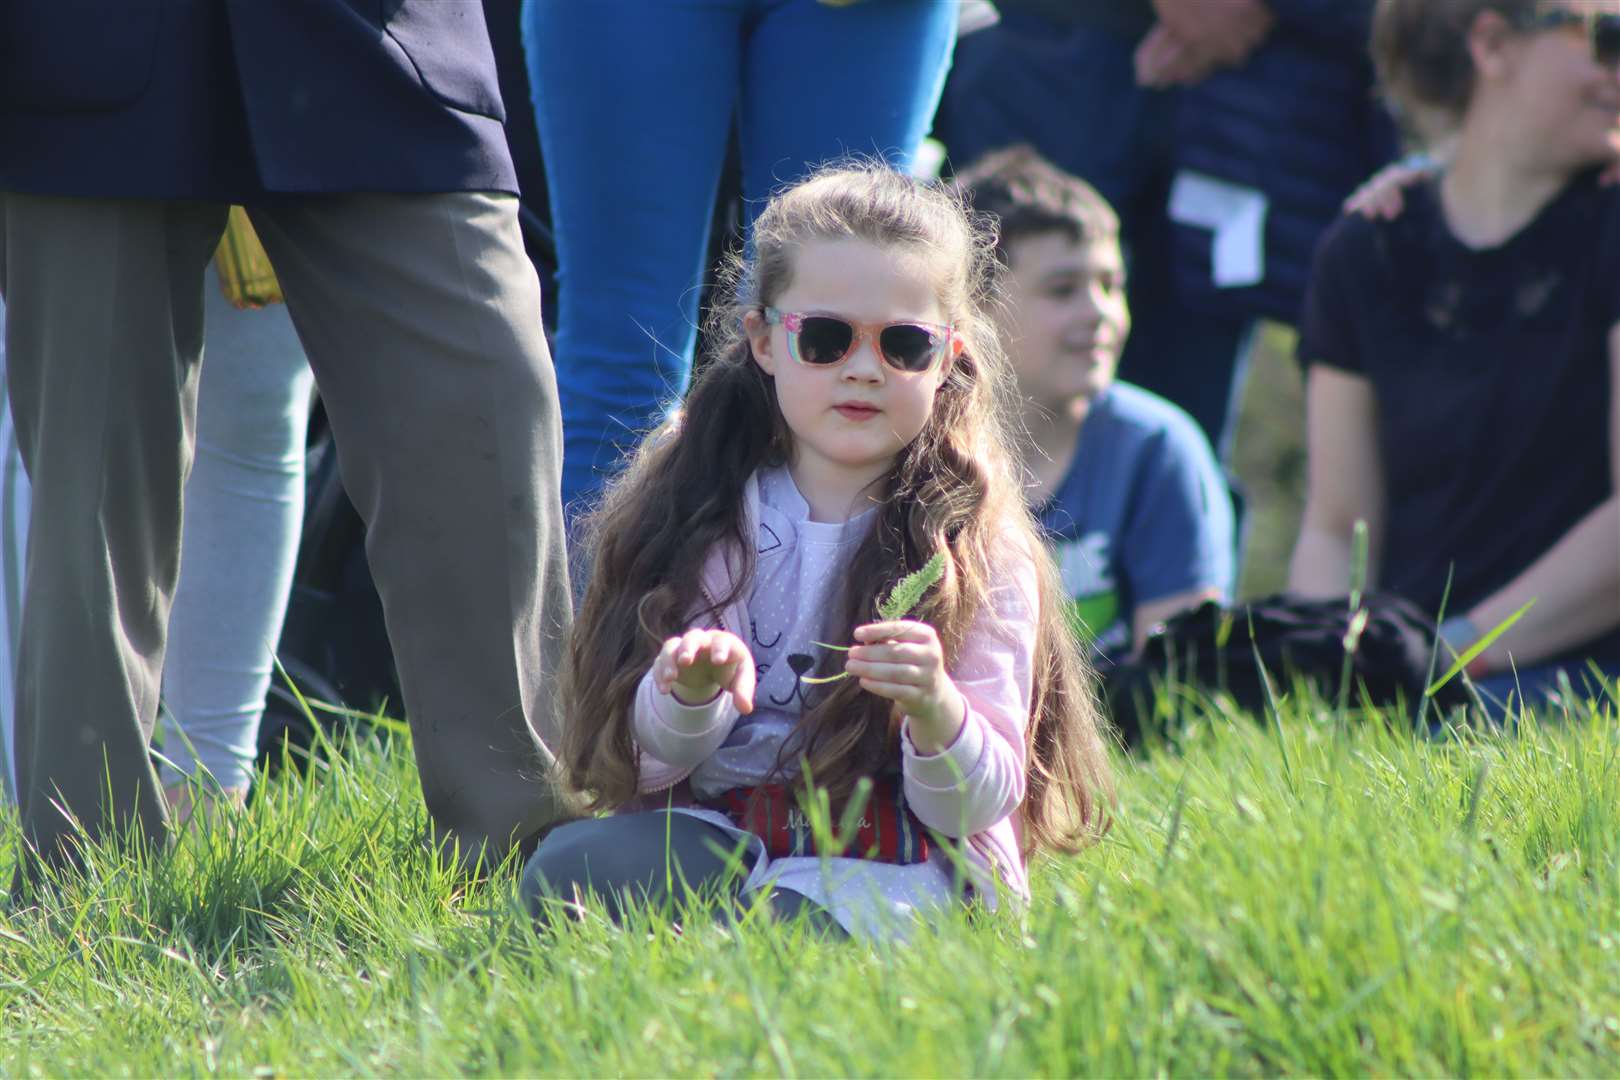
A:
420, 315
649, 857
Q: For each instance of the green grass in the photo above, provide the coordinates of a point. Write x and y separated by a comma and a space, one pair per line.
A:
1344, 899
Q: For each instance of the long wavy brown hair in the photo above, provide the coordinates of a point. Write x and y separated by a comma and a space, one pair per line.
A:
954, 488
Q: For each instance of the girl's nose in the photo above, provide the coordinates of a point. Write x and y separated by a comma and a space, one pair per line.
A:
864, 363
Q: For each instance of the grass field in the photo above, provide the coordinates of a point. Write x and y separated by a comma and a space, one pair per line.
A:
1338, 899
1322, 895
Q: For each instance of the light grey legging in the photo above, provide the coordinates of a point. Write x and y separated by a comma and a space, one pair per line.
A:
244, 514
239, 543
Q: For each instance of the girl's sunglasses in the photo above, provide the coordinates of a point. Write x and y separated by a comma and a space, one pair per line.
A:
825, 340
1602, 30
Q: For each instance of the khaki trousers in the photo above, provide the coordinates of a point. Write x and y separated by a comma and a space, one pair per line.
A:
421, 318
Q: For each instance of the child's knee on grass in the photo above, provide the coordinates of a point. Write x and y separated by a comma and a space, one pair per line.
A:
628, 858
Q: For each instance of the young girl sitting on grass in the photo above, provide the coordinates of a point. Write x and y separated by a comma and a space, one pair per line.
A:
848, 426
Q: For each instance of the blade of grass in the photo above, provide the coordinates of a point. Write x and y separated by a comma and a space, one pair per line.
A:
1486, 640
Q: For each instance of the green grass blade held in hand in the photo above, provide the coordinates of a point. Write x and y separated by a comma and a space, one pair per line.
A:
906, 594
908, 591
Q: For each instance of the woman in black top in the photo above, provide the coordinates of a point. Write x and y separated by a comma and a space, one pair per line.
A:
1462, 355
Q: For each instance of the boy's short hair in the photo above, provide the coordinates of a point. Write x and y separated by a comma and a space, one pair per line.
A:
1029, 196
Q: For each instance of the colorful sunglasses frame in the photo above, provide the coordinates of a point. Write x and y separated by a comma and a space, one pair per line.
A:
944, 337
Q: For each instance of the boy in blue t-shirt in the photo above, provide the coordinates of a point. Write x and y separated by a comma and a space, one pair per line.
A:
1126, 484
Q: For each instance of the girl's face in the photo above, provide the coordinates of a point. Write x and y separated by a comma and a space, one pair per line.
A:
851, 419
1559, 95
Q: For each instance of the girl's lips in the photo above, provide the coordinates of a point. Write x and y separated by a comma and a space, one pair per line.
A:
855, 412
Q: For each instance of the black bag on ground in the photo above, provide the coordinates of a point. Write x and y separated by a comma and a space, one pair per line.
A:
1215, 649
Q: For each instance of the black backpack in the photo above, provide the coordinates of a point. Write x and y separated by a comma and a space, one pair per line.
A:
1216, 649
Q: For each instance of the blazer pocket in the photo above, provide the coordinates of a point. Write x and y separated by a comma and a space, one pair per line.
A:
447, 42
76, 55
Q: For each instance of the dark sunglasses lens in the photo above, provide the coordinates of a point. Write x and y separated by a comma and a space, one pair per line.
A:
909, 348
823, 340
1606, 40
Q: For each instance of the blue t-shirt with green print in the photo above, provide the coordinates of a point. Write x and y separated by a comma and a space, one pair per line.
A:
1142, 514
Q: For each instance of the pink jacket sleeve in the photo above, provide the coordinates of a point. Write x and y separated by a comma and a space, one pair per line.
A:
978, 779
675, 738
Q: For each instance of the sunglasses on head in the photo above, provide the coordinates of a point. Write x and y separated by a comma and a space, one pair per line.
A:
825, 340
1602, 30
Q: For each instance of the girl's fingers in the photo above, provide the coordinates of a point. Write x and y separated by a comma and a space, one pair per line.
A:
664, 666
899, 630
898, 674
694, 643
908, 653
742, 688
905, 696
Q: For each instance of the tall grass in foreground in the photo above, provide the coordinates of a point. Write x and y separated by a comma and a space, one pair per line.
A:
1333, 901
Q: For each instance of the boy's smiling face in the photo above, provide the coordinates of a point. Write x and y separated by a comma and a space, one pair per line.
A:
1067, 318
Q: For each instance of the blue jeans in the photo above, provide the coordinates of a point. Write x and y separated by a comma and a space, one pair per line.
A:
1070, 92
635, 101
1538, 687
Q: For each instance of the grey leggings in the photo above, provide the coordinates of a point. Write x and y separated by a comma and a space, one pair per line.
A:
647, 857
244, 510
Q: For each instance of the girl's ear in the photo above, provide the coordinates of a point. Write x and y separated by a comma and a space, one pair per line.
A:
758, 332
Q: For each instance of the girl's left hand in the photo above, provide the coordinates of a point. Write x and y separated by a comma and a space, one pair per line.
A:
903, 661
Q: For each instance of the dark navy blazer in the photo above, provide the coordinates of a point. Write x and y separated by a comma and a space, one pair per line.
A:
236, 100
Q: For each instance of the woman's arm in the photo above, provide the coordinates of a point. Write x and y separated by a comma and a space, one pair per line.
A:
1344, 483
1576, 588
1575, 583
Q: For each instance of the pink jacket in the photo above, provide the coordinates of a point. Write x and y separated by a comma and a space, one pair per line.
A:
970, 789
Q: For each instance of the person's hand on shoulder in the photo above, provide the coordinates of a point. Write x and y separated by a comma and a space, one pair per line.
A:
700, 663
1382, 196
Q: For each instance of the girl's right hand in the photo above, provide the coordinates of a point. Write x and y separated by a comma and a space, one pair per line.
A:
701, 663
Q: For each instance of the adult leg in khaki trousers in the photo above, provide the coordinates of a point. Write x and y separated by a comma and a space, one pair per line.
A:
420, 315
104, 335
421, 318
